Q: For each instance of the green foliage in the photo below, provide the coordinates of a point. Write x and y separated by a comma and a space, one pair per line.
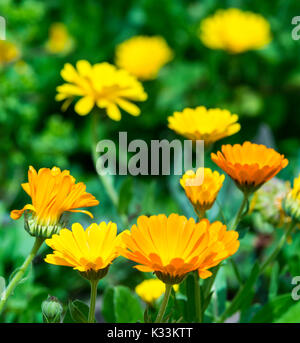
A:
79, 311
277, 309
120, 305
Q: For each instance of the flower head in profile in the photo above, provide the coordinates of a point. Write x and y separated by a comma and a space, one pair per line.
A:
89, 251
173, 246
101, 85
249, 165
235, 31
267, 202
60, 41
53, 192
202, 188
143, 56
200, 123
151, 289
8, 52
291, 203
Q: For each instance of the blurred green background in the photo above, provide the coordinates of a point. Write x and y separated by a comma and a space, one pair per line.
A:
262, 87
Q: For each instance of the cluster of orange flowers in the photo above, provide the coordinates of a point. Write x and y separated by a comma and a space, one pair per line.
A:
171, 247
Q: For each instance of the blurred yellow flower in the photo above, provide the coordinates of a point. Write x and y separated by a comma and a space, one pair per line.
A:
151, 289
89, 251
102, 85
8, 52
202, 188
173, 246
291, 203
52, 192
200, 123
249, 165
59, 39
143, 56
235, 31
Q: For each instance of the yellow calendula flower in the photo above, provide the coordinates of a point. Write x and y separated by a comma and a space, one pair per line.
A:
202, 188
90, 251
152, 289
291, 203
8, 52
235, 31
59, 39
102, 85
143, 56
250, 165
173, 246
53, 192
200, 123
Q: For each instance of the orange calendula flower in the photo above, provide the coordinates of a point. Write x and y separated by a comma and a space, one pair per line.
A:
143, 56
200, 123
249, 165
202, 188
173, 246
89, 251
102, 85
52, 192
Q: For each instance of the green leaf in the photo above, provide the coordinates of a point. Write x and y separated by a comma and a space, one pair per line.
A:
125, 196
291, 315
220, 287
67, 317
79, 311
108, 306
127, 306
274, 281
189, 309
244, 295
274, 309
2, 285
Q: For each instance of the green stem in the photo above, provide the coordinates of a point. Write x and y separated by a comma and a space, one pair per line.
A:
278, 248
108, 186
240, 213
94, 285
197, 298
164, 304
236, 271
19, 274
106, 183
200, 214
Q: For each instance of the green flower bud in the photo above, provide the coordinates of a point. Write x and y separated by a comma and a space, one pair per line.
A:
52, 310
46, 231
95, 275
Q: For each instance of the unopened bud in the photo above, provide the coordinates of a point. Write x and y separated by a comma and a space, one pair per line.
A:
52, 310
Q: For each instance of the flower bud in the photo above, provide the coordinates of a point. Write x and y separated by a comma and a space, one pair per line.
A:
46, 231
52, 310
291, 207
